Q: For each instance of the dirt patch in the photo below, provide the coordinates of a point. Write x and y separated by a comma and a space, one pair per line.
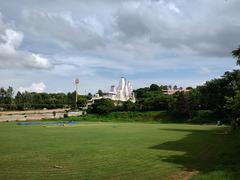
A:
8, 116
32, 111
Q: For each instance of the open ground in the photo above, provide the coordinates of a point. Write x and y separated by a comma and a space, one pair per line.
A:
107, 150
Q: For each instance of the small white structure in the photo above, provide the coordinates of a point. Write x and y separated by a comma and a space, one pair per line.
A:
171, 91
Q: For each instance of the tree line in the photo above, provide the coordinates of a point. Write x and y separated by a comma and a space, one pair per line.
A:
217, 99
32, 100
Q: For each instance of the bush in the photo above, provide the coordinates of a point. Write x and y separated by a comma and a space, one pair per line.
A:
205, 116
65, 115
103, 106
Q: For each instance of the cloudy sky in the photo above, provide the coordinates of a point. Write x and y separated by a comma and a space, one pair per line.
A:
45, 45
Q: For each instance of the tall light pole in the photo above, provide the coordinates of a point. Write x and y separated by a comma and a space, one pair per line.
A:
76, 98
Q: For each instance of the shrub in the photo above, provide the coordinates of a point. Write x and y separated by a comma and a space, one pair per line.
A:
205, 116
103, 106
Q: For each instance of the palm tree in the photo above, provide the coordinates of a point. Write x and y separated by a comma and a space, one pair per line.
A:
236, 54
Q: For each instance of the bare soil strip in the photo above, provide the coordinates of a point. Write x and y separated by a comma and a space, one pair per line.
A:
32, 111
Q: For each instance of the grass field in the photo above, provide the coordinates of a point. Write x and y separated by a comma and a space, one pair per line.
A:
105, 150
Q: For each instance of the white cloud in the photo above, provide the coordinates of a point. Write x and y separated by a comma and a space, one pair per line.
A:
12, 57
173, 7
200, 28
185, 27
35, 87
205, 71
65, 31
10, 41
36, 61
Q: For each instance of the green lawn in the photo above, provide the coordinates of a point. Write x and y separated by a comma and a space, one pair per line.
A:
105, 150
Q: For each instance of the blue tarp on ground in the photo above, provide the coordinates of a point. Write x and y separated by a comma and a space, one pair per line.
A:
37, 123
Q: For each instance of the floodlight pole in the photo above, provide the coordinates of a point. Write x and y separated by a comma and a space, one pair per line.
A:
76, 98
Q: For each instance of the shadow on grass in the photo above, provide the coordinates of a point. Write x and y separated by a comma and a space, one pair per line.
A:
206, 151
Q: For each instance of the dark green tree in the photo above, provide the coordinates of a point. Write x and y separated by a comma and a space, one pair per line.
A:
236, 54
82, 101
163, 87
89, 96
154, 87
175, 87
128, 106
178, 105
233, 105
18, 101
193, 102
100, 92
23, 100
103, 106
6, 98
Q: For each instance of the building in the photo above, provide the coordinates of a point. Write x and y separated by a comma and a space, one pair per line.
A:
123, 92
171, 91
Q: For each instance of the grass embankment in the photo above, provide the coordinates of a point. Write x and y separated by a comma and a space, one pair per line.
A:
202, 117
150, 117
111, 150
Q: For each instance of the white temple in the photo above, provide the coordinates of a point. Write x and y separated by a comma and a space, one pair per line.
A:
123, 92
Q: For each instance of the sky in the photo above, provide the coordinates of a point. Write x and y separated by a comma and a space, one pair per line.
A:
45, 45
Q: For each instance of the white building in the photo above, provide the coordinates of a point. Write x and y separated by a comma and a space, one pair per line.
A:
123, 92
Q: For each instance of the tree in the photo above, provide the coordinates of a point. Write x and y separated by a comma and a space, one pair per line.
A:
233, 80
100, 93
154, 87
175, 87
151, 98
236, 54
141, 92
233, 105
23, 100
103, 106
213, 92
71, 100
82, 101
212, 95
193, 102
128, 106
89, 96
6, 98
178, 105
37, 100
19, 101
163, 87
2, 97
